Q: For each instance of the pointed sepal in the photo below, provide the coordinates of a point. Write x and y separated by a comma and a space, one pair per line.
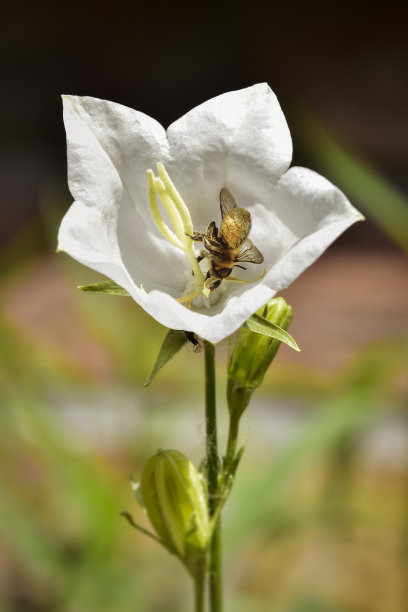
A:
172, 343
260, 325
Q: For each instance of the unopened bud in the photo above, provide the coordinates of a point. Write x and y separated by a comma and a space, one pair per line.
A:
253, 353
174, 498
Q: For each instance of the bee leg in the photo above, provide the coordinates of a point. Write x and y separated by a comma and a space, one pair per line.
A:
197, 236
203, 254
212, 230
244, 282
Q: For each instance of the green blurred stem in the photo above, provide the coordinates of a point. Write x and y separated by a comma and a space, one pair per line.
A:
199, 589
216, 570
215, 578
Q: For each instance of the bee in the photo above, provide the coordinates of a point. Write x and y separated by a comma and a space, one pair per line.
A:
225, 247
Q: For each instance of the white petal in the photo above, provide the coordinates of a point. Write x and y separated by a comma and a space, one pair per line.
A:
89, 237
233, 139
312, 213
110, 147
213, 328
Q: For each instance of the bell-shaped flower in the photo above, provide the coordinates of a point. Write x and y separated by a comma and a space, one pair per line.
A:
135, 227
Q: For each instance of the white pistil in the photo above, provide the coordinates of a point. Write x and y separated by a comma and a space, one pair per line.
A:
179, 216
154, 209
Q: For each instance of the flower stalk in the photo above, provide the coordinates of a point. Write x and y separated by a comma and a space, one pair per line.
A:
215, 569
199, 590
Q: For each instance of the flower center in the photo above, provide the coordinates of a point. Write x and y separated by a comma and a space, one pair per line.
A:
204, 292
200, 299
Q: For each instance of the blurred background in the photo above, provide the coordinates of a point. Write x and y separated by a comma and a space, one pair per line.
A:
317, 521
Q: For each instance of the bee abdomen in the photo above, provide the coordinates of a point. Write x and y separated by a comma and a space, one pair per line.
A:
221, 271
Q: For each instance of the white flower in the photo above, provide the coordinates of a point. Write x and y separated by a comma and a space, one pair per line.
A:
239, 140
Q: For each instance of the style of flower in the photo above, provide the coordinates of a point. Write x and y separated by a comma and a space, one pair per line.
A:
118, 224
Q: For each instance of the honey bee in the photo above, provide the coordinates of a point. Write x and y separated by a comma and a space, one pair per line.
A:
225, 247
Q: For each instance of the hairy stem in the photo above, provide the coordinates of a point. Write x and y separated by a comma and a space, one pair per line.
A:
215, 578
232, 443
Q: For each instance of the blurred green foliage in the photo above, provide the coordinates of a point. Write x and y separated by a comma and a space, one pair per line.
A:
365, 187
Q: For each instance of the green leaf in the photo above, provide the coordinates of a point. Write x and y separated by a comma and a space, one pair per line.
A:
109, 287
260, 325
172, 343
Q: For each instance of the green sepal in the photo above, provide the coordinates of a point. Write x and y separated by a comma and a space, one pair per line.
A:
172, 343
260, 325
135, 525
109, 287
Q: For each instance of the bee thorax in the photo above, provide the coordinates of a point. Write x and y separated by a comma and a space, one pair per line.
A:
235, 227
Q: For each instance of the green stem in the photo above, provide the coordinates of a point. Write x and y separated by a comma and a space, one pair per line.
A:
199, 589
211, 426
216, 570
212, 468
232, 443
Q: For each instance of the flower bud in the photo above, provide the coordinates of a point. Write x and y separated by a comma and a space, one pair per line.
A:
174, 498
252, 355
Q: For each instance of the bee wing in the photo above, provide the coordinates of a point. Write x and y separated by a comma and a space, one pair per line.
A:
227, 201
249, 252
